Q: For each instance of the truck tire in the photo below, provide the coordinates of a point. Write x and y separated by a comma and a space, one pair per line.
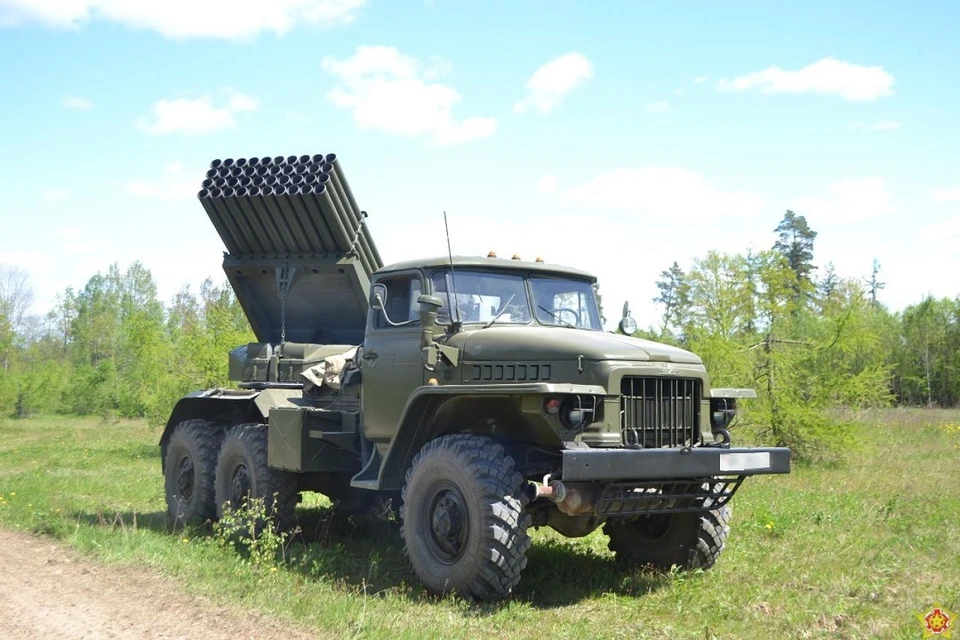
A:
688, 540
462, 518
191, 466
243, 474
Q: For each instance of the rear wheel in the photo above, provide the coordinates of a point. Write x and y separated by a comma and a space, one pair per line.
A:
190, 470
688, 540
244, 476
463, 524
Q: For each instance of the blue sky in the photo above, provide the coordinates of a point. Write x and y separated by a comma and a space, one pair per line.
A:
616, 139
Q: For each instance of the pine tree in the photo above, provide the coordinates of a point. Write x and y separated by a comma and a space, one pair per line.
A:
674, 296
874, 283
796, 245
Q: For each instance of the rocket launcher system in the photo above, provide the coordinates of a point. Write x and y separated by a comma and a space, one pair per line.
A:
299, 253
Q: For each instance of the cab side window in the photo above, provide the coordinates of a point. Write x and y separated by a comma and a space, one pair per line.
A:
402, 293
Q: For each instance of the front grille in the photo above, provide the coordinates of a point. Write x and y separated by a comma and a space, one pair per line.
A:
659, 412
621, 499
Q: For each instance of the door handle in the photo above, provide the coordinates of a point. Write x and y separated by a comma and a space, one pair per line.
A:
370, 355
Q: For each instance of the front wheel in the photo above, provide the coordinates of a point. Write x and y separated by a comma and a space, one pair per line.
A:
687, 540
463, 524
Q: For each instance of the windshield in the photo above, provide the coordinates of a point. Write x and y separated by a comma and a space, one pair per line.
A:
481, 296
565, 302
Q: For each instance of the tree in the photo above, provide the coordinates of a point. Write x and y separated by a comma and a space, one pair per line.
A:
796, 245
828, 284
874, 283
596, 292
16, 295
674, 296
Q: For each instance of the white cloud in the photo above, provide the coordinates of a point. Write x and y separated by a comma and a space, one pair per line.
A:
945, 194
230, 19
701, 79
679, 92
662, 192
826, 77
548, 184
173, 185
847, 200
658, 107
194, 116
555, 79
76, 102
75, 239
879, 125
389, 91
55, 195
938, 232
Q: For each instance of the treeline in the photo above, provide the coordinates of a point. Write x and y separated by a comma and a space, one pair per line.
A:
113, 349
808, 340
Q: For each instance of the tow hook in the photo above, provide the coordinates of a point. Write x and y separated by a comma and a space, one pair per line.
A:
553, 490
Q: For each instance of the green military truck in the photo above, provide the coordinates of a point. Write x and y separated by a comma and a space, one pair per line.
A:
479, 395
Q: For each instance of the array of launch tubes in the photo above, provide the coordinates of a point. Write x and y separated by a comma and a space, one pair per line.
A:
287, 206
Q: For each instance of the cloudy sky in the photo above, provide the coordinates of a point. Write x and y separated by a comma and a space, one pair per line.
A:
616, 139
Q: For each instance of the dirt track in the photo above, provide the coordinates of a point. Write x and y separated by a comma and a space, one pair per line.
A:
49, 591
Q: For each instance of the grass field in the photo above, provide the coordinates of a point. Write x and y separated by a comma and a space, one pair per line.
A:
855, 550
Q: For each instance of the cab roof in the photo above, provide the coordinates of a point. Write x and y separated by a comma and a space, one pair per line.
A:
489, 263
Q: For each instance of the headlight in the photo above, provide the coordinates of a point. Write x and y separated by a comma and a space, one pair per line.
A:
628, 325
722, 412
577, 412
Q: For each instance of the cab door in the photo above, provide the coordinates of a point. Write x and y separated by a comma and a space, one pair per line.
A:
392, 369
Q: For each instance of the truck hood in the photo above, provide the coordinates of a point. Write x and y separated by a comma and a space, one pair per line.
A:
558, 343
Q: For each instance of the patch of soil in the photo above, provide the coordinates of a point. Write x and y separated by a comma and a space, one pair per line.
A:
50, 591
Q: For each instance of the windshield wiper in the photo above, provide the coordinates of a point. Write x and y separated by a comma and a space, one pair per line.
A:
496, 317
557, 318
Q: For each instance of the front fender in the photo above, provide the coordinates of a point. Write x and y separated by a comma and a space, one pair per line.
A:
431, 411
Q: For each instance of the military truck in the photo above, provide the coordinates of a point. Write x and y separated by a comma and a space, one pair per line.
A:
479, 396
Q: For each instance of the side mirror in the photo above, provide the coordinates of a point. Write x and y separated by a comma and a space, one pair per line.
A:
378, 296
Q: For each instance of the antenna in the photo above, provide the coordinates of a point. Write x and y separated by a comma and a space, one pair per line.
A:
453, 275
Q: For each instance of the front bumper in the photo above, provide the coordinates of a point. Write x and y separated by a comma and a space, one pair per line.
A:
668, 464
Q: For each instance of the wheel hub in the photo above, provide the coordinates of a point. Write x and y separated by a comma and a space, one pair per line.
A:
185, 478
448, 524
239, 485
654, 527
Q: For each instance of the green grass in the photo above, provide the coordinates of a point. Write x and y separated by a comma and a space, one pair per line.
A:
854, 550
